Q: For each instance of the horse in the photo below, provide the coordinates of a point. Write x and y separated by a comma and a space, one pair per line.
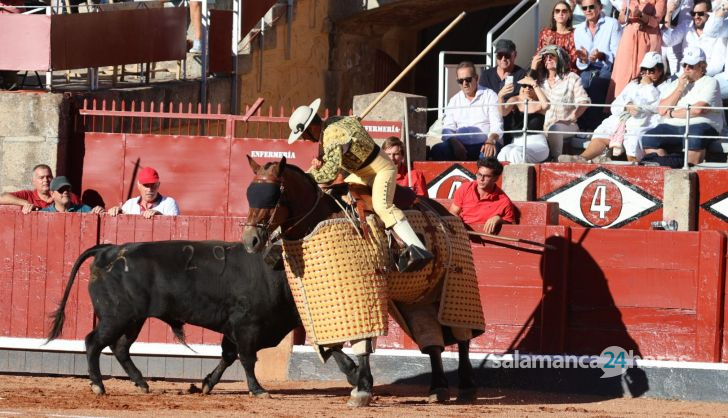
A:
283, 196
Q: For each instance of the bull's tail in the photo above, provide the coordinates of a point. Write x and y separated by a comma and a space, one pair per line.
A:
59, 315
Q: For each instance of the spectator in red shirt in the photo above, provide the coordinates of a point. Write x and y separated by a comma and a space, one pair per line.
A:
39, 197
394, 148
482, 201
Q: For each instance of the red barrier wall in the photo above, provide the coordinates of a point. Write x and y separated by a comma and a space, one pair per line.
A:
655, 292
206, 175
37, 252
606, 196
712, 199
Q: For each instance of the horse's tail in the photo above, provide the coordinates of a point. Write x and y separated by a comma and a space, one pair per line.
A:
59, 315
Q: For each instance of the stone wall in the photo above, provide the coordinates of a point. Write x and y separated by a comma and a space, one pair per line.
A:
29, 135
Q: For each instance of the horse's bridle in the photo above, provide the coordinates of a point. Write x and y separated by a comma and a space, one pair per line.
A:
268, 225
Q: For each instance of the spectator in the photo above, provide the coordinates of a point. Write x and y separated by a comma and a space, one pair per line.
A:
693, 87
394, 148
61, 195
537, 149
39, 197
697, 34
608, 6
150, 202
196, 22
503, 78
472, 124
560, 86
641, 34
482, 201
561, 32
596, 43
634, 112
678, 11
717, 27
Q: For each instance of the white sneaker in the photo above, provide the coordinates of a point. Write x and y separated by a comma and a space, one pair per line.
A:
196, 47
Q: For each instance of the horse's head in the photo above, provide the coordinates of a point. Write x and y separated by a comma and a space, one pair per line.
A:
265, 199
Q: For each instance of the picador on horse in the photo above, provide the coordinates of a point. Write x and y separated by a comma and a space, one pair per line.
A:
346, 145
338, 258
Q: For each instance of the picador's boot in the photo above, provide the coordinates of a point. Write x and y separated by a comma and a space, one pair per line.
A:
415, 256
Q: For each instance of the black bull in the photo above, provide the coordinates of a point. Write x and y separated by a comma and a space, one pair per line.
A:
212, 284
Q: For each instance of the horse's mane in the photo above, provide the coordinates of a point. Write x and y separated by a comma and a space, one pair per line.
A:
295, 168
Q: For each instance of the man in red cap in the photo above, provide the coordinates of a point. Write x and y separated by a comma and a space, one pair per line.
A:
150, 202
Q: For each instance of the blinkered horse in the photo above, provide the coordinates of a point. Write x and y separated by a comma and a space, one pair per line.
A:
283, 196
213, 284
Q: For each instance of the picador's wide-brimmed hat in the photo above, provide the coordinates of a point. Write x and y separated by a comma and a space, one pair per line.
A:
301, 118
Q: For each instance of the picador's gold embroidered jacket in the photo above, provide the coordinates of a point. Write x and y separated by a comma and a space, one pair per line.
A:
346, 144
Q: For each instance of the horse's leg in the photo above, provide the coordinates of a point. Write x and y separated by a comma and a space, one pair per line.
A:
361, 395
467, 390
346, 365
439, 391
229, 354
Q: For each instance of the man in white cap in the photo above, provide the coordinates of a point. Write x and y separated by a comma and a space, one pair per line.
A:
346, 145
694, 88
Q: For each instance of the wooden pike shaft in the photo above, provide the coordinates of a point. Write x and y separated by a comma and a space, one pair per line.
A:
510, 239
411, 64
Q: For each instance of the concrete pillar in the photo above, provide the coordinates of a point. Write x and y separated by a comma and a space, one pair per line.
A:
680, 199
519, 181
29, 135
391, 108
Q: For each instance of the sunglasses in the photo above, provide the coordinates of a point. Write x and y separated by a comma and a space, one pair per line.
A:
466, 79
64, 189
503, 56
688, 66
561, 11
698, 14
648, 70
589, 7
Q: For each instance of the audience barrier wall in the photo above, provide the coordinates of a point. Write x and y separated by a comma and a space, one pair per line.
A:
598, 288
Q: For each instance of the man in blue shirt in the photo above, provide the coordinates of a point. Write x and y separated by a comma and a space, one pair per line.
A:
61, 194
596, 42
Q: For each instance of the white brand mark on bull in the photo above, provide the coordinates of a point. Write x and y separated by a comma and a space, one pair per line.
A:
273, 154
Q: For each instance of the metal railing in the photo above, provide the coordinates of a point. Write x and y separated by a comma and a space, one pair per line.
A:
525, 131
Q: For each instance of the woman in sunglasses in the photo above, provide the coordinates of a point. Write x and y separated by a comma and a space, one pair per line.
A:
633, 113
640, 34
560, 33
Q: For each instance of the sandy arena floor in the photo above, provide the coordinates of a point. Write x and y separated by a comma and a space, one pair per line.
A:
72, 397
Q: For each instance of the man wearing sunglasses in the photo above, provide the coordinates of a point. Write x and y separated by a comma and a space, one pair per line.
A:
596, 42
503, 78
694, 88
472, 125
700, 32
61, 194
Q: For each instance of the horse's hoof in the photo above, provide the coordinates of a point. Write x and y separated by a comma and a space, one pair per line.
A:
439, 395
259, 395
206, 389
467, 395
143, 389
359, 399
98, 389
